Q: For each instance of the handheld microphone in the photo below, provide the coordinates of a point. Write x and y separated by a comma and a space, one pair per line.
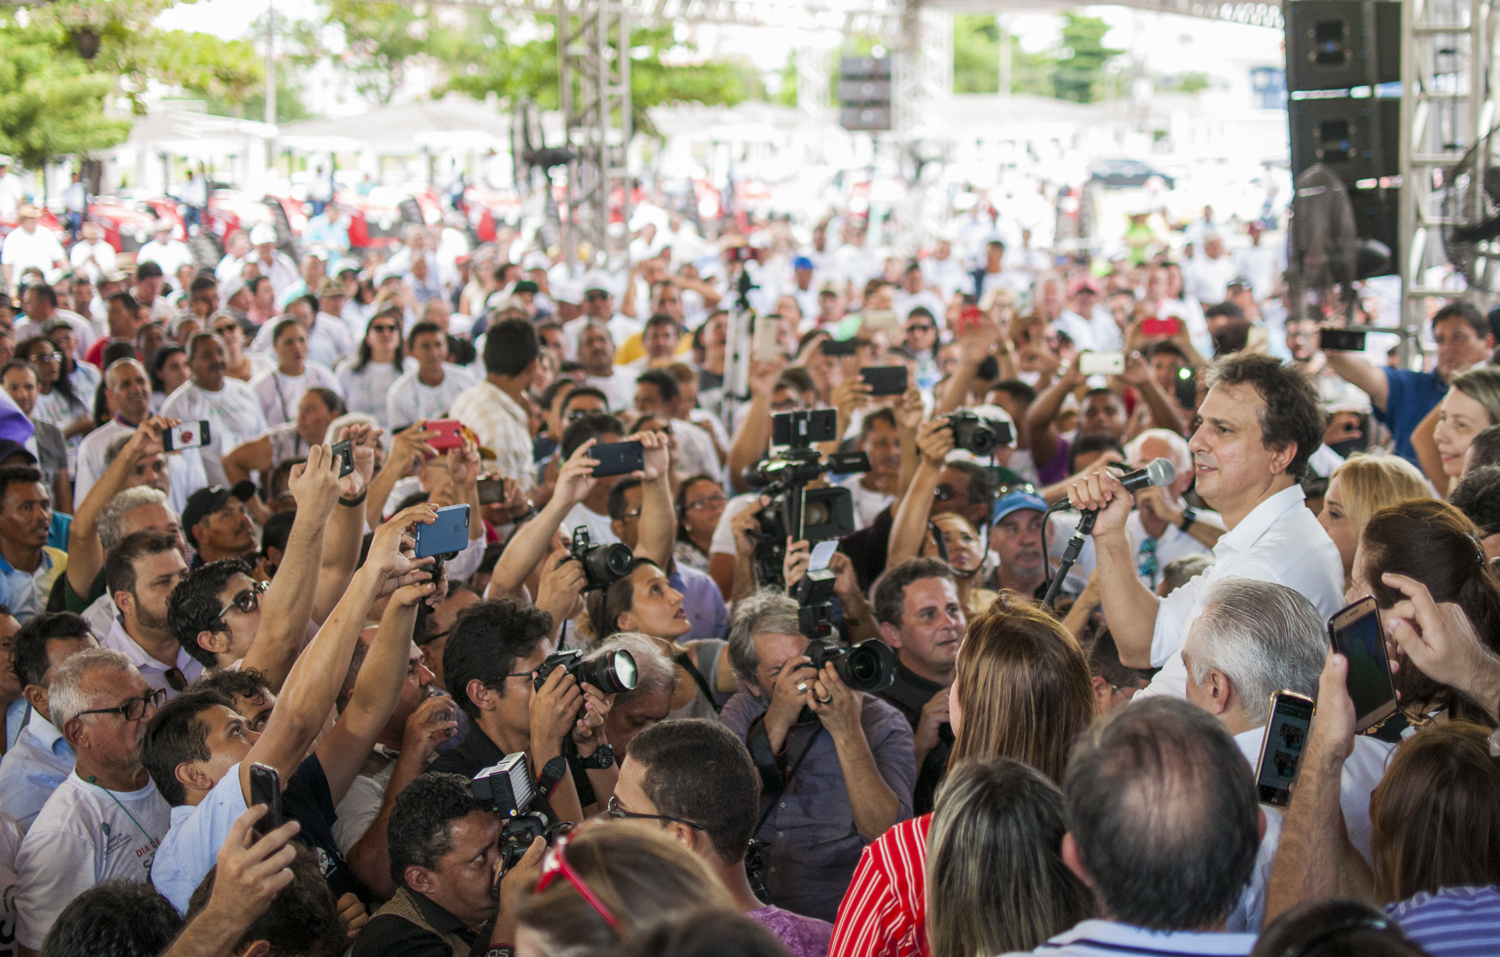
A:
1157, 472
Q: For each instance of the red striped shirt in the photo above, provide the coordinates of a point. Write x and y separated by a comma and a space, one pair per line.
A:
884, 912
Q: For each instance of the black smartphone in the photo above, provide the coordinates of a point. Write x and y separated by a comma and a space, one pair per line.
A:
618, 458
188, 435
1185, 387
1356, 634
1281, 751
450, 533
344, 452
265, 788
491, 491
884, 380
1341, 340
833, 347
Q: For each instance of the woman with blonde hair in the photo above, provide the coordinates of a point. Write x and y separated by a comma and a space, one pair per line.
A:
1471, 406
1022, 691
1361, 487
603, 882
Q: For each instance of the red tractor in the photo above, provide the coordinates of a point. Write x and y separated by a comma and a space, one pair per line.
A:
129, 225
231, 209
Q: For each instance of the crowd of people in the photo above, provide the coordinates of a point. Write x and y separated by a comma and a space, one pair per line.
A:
207, 605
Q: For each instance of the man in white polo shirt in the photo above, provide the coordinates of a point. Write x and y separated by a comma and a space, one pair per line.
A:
232, 411
1260, 423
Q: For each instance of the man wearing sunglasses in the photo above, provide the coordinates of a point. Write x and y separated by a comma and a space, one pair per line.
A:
105, 820
694, 779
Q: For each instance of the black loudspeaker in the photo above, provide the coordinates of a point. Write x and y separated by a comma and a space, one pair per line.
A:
1357, 138
1329, 43
864, 93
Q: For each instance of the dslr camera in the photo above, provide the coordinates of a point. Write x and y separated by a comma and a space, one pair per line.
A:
803, 514
603, 565
611, 674
869, 666
508, 789
976, 434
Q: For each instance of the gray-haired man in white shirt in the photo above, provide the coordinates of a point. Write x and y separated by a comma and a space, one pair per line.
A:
1259, 424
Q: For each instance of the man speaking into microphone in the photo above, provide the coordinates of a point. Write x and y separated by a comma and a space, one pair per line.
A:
1257, 427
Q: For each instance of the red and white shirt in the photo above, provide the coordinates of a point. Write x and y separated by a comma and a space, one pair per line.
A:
884, 912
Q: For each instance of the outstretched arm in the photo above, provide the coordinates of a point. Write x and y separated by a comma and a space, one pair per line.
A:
531, 543
1356, 370
346, 531
1041, 418
658, 525
85, 553
909, 526
753, 437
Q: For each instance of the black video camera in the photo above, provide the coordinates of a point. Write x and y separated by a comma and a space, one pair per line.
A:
796, 511
611, 674
869, 666
978, 435
506, 787
603, 565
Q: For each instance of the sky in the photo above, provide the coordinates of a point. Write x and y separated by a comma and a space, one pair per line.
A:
1169, 43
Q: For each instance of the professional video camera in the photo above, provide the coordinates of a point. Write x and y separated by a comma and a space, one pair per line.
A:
977, 434
524, 812
803, 514
611, 674
602, 564
869, 666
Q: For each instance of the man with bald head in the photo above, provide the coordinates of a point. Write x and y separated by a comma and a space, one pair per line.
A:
129, 391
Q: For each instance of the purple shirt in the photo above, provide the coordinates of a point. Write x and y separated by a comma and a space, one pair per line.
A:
810, 824
1056, 468
801, 936
702, 601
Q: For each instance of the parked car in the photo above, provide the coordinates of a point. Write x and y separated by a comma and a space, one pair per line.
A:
1123, 173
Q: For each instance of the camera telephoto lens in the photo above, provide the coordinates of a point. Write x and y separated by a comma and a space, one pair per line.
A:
612, 674
869, 666
609, 563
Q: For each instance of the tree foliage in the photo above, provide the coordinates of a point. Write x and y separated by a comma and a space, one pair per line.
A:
1079, 74
1075, 71
50, 103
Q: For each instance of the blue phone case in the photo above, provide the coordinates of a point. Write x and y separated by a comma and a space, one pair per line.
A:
450, 533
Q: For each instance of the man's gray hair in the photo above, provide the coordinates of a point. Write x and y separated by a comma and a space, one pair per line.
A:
111, 521
66, 698
1264, 637
654, 671
767, 612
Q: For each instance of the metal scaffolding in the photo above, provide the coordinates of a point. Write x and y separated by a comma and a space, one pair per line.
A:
593, 70
1447, 104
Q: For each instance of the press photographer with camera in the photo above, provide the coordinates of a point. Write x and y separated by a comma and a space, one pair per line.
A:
453, 898
496, 667
836, 764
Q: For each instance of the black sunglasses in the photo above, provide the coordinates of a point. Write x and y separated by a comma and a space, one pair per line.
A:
135, 708
246, 601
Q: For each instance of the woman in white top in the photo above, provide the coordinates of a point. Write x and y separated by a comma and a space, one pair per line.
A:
239, 364
291, 440
281, 388
368, 375
57, 401
169, 370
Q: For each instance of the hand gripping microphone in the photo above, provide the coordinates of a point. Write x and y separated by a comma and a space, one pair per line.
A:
1158, 472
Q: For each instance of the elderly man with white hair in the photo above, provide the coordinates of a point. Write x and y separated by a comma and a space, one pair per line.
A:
1252, 639
1163, 527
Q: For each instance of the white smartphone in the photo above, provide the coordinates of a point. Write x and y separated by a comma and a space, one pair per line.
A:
188, 435
877, 319
1101, 363
767, 345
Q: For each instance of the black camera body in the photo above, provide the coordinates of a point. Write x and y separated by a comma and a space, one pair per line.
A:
869, 666
978, 435
796, 511
506, 788
611, 674
603, 565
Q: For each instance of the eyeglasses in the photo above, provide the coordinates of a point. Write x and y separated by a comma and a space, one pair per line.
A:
135, 708
556, 865
575, 414
707, 503
246, 601
914, 327
47, 357
384, 328
633, 513
595, 296
1005, 490
614, 810
225, 330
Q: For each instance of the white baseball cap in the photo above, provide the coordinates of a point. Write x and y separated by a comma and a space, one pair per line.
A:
262, 233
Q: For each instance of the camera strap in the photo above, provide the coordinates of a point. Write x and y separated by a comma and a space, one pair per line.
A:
772, 767
687, 665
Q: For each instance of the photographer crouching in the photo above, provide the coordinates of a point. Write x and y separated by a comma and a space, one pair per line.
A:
836, 764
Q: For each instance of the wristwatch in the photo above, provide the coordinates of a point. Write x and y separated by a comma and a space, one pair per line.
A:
602, 759
1188, 518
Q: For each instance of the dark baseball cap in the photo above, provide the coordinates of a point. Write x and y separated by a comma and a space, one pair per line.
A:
206, 501
9, 447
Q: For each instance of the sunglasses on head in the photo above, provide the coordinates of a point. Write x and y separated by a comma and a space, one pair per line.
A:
555, 865
246, 601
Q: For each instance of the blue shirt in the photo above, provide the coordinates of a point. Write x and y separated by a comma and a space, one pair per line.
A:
1454, 922
15, 719
1106, 938
39, 761
702, 601
58, 536
1411, 396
